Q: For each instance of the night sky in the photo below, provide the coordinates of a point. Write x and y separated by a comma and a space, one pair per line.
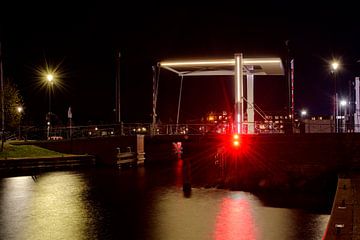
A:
85, 39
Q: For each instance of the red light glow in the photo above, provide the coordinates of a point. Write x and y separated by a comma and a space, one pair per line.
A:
235, 221
179, 173
236, 140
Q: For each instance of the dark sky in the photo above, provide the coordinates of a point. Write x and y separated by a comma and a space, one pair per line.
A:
85, 37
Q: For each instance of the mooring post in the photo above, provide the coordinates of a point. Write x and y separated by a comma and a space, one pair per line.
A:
140, 149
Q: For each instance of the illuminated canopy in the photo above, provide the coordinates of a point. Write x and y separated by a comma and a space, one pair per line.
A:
224, 67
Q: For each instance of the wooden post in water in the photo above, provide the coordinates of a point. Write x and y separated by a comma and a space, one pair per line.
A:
140, 150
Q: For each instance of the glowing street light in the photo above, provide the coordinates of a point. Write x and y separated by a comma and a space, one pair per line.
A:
335, 65
20, 109
50, 81
50, 77
343, 103
303, 113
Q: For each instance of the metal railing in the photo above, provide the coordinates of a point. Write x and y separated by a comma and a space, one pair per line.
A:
132, 129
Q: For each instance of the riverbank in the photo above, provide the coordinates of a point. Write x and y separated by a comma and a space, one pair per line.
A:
12, 150
19, 158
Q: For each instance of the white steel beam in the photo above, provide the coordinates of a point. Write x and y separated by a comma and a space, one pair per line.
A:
357, 105
250, 103
238, 109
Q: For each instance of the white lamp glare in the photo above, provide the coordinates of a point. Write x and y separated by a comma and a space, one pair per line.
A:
50, 77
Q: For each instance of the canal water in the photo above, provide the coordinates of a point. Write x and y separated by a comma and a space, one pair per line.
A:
149, 203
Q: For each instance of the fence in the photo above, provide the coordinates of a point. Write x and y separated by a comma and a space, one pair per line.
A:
132, 129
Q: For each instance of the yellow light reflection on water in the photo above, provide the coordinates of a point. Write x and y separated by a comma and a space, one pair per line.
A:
15, 195
52, 206
59, 208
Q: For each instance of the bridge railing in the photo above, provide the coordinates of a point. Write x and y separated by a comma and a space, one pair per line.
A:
131, 129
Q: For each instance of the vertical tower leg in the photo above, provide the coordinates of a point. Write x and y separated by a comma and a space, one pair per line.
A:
357, 105
250, 103
239, 96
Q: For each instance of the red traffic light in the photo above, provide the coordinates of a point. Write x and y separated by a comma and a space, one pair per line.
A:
236, 140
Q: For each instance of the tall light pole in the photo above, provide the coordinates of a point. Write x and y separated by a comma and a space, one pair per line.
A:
334, 68
2, 103
20, 110
343, 104
303, 114
50, 82
117, 90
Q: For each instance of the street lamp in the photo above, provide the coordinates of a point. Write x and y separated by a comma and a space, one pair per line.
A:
19, 110
335, 65
50, 82
343, 104
303, 113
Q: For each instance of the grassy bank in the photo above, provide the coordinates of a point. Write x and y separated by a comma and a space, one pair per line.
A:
24, 151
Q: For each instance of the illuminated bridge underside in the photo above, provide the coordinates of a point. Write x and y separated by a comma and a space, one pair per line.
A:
225, 67
237, 67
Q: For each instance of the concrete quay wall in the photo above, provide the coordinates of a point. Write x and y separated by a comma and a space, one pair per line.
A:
298, 152
344, 222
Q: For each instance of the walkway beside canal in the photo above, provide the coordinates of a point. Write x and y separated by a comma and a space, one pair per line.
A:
45, 163
18, 158
344, 222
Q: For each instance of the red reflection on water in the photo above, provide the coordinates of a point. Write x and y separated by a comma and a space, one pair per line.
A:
179, 172
235, 220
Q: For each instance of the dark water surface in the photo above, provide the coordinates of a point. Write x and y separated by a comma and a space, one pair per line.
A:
148, 203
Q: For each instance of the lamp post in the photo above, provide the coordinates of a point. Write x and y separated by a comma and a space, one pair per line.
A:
303, 114
334, 68
20, 110
343, 104
50, 82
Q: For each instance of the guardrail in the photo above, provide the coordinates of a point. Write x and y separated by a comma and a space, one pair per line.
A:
132, 129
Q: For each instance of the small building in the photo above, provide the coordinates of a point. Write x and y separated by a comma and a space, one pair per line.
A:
319, 125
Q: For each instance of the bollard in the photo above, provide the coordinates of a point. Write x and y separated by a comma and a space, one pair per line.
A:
338, 228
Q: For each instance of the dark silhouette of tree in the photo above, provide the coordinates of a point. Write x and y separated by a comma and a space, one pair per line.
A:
12, 100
